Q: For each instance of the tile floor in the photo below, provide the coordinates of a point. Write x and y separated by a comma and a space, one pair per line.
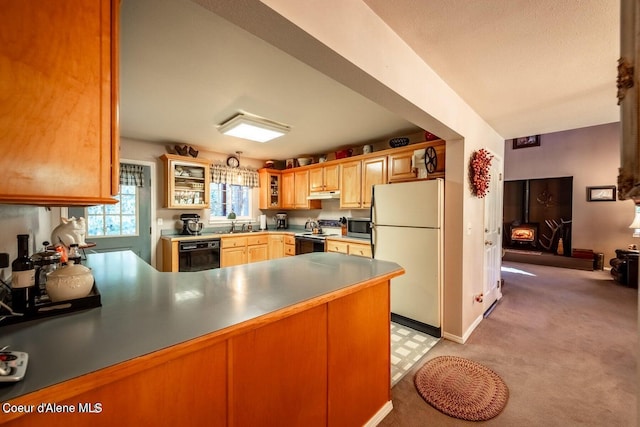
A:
408, 346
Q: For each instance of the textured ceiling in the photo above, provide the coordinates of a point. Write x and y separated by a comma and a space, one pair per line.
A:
526, 67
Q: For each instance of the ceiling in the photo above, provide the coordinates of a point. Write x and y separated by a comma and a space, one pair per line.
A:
525, 67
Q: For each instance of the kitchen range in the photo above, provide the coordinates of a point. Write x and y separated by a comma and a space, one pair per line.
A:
314, 239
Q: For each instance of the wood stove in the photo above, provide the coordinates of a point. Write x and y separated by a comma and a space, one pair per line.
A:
524, 234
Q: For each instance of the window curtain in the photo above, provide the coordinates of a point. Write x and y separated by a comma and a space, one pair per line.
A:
131, 175
221, 174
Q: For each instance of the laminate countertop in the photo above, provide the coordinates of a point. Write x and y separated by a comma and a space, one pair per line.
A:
144, 310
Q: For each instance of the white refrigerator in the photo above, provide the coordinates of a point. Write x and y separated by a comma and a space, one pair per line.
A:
407, 223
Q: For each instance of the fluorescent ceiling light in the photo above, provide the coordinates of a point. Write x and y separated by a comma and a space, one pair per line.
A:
253, 128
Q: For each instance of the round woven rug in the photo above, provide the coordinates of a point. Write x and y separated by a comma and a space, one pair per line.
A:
462, 388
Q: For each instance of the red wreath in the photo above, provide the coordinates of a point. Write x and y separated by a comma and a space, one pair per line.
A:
479, 175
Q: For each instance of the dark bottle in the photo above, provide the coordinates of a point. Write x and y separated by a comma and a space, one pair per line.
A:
23, 277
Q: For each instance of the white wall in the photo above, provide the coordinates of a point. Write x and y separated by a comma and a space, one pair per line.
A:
367, 56
592, 156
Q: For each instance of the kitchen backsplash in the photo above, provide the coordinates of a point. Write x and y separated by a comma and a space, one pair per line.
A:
32, 220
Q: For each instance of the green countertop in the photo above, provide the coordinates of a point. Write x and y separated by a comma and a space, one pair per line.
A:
144, 310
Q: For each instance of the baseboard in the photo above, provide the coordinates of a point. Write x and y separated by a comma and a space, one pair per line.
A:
418, 326
462, 339
379, 416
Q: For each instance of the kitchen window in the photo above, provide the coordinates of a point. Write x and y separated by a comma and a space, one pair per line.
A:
227, 198
115, 220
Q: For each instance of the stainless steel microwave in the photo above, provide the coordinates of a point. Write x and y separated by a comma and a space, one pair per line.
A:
359, 227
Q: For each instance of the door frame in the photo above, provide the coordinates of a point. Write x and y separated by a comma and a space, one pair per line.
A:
153, 237
497, 200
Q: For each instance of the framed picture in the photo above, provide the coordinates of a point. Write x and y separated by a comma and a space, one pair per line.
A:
605, 193
527, 141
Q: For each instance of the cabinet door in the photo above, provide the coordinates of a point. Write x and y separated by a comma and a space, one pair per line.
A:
257, 253
360, 249
289, 250
269, 189
337, 246
302, 189
316, 179
288, 190
331, 177
374, 171
233, 256
276, 246
350, 184
58, 127
400, 168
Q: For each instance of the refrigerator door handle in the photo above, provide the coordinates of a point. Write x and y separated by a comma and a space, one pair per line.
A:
372, 224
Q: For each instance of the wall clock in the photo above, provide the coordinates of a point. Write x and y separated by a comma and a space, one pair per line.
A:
233, 161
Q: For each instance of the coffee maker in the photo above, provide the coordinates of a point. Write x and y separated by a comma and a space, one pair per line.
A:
191, 224
281, 221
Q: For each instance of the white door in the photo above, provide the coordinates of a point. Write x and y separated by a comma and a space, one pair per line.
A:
493, 235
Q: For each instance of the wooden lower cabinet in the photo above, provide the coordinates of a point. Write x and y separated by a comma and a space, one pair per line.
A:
360, 249
291, 367
276, 246
233, 251
265, 375
350, 248
289, 245
353, 395
162, 388
337, 246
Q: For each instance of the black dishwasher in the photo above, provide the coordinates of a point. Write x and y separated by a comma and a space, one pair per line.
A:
198, 255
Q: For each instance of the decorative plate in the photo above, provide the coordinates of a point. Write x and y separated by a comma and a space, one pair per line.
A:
398, 142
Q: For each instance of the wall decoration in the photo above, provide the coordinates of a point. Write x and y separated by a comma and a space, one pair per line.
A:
605, 193
479, 175
527, 141
625, 78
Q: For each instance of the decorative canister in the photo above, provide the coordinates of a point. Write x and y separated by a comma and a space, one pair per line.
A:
69, 282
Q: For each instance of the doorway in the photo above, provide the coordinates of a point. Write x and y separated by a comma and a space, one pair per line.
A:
127, 224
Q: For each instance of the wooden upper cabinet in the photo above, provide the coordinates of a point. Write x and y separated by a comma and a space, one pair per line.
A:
59, 123
287, 190
302, 191
325, 178
357, 179
270, 189
374, 171
351, 184
187, 182
400, 167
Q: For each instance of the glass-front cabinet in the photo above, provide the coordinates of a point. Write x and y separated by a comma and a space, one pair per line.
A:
187, 182
270, 189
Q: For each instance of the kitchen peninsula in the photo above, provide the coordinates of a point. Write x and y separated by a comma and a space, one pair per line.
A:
299, 341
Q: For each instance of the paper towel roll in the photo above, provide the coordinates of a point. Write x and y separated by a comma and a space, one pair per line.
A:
263, 222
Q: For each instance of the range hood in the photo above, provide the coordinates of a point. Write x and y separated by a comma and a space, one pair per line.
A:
323, 195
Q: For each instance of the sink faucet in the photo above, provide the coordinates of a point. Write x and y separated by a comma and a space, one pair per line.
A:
243, 226
233, 227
